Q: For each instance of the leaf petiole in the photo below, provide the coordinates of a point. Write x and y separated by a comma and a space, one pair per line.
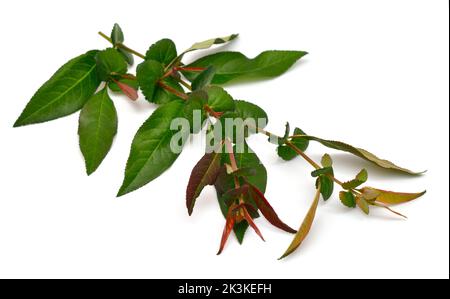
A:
173, 91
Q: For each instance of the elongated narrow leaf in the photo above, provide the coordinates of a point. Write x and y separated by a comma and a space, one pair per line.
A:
151, 153
267, 210
391, 198
233, 66
225, 182
305, 227
97, 128
204, 173
163, 51
252, 224
65, 93
203, 46
230, 220
211, 42
338, 145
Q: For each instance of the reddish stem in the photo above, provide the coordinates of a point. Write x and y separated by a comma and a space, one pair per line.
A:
212, 112
173, 91
190, 69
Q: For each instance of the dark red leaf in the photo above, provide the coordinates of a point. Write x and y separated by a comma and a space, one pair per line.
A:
227, 230
234, 194
203, 174
267, 210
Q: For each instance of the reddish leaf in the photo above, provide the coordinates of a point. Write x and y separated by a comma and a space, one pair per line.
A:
203, 174
305, 227
234, 194
392, 198
249, 219
267, 210
127, 90
227, 230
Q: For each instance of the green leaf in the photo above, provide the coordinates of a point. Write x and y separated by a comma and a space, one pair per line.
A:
219, 100
231, 66
203, 79
245, 159
127, 56
110, 62
326, 161
162, 96
322, 171
163, 51
211, 42
225, 182
361, 153
286, 153
282, 140
194, 104
117, 35
64, 93
202, 46
347, 199
97, 129
389, 197
148, 74
369, 194
130, 82
305, 227
151, 153
242, 120
326, 186
360, 179
363, 205
245, 172
204, 173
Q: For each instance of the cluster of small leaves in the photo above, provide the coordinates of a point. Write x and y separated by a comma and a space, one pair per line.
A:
86, 83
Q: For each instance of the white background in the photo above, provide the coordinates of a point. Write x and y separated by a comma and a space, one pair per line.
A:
377, 77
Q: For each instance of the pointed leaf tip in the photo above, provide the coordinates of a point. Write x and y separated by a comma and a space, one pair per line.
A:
204, 173
305, 227
267, 210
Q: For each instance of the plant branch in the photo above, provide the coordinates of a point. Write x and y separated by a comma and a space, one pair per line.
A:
185, 84
234, 167
299, 152
122, 46
173, 91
